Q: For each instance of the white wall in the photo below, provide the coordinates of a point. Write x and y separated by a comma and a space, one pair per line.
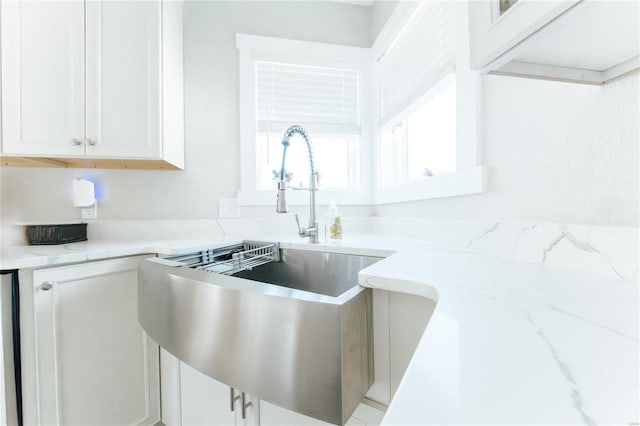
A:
211, 119
380, 12
556, 152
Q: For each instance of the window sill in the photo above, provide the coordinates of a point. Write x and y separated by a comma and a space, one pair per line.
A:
461, 182
301, 198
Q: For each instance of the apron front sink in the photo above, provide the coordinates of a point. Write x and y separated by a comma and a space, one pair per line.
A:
296, 332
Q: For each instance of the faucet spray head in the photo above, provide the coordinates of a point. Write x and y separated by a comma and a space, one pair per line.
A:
281, 201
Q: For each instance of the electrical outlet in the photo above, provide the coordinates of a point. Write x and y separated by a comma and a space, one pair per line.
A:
90, 212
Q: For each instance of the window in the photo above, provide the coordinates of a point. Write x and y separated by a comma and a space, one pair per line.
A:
425, 93
422, 53
424, 143
393, 123
322, 100
324, 88
431, 133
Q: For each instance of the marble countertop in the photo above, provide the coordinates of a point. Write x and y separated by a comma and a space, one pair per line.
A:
508, 343
24, 257
514, 343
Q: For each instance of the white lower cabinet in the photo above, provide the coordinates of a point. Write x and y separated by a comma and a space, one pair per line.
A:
272, 415
205, 401
86, 360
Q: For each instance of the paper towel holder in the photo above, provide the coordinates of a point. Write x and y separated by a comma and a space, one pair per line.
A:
84, 196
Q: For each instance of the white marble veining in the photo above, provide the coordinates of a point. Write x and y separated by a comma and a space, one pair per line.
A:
607, 250
611, 251
509, 342
514, 343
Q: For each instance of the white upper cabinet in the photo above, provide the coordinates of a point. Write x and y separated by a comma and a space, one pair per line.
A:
584, 41
123, 79
42, 77
97, 80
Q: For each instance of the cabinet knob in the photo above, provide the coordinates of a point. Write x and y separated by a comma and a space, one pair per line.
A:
90, 142
47, 285
76, 142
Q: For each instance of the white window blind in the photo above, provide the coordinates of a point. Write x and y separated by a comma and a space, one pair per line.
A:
323, 100
421, 55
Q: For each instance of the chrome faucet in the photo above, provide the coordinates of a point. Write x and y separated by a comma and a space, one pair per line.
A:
310, 231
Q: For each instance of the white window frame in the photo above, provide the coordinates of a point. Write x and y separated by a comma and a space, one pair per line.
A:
469, 176
252, 48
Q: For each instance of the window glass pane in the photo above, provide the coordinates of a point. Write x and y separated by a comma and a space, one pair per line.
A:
325, 101
431, 134
335, 159
421, 54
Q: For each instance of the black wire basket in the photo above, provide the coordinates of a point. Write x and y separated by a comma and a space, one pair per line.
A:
56, 234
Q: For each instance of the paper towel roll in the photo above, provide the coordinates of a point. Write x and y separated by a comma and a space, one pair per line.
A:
83, 193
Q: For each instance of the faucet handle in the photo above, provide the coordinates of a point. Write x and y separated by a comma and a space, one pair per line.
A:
276, 175
301, 231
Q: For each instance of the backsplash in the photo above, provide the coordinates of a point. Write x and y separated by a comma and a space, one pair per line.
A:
608, 250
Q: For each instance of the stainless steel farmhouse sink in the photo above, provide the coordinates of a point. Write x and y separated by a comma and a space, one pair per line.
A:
291, 327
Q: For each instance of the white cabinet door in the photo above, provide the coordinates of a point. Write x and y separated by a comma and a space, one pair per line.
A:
42, 77
205, 401
94, 363
492, 34
123, 79
93, 80
272, 415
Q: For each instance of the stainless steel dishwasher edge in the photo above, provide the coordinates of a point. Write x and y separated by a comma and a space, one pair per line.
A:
301, 350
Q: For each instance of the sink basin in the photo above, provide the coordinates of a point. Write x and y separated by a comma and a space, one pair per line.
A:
329, 274
295, 332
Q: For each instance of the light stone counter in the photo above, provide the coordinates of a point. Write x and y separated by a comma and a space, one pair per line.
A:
509, 342
514, 343
23, 257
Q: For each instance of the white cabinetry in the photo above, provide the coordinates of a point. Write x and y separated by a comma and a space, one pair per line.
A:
493, 34
86, 360
84, 83
206, 401
42, 77
272, 415
567, 40
123, 60
202, 400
